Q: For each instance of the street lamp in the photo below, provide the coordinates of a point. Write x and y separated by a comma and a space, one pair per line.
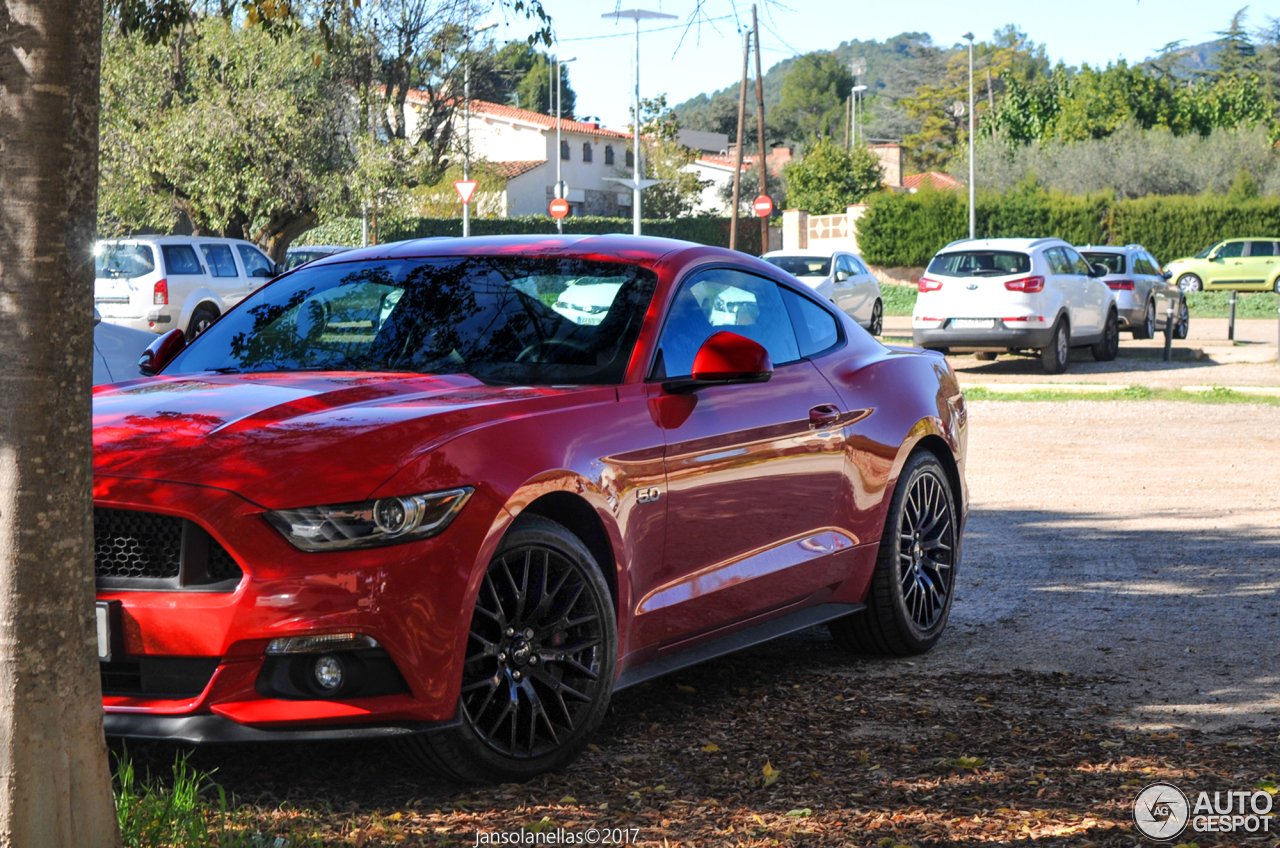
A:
972, 213
466, 97
559, 192
635, 182
857, 90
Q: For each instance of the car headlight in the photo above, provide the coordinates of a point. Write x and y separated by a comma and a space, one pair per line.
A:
385, 521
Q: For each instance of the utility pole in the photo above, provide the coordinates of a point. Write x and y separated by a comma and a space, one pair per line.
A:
972, 210
764, 178
466, 143
737, 167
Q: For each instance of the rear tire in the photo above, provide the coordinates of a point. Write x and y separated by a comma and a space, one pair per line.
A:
986, 355
877, 319
1055, 355
1108, 347
540, 663
201, 319
1182, 325
1147, 329
914, 578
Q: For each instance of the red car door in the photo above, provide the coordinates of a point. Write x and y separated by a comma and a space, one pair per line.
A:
752, 470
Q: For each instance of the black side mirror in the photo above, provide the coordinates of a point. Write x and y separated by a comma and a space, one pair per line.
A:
161, 352
1168, 275
1097, 269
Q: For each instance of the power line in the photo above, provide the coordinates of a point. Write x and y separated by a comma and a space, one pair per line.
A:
783, 40
642, 32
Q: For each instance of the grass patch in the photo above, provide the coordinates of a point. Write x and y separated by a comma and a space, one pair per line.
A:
187, 811
1217, 304
1217, 395
898, 300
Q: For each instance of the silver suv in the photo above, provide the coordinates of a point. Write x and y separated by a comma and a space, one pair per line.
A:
157, 283
1143, 291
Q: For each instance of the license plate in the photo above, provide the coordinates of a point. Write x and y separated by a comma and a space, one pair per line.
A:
103, 615
111, 300
973, 323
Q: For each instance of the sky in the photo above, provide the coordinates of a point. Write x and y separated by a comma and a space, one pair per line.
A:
710, 55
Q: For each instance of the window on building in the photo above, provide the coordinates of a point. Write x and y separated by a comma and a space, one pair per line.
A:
564, 150
608, 154
631, 159
586, 151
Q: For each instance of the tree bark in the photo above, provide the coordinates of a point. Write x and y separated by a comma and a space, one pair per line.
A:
55, 785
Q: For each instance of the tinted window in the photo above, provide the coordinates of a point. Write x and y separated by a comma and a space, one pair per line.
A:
123, 260
255, 264
802, 266
980, 263
1262, 248
816, 329
221, 264
1231, 250
300, 257
492, 318
1155, 266
180, 259
1113, 261
1057, 260
723, 299
1077, 263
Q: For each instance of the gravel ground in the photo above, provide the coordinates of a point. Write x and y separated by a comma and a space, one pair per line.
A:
1115, 623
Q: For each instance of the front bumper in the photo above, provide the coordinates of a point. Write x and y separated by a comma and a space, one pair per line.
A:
415, 599
999, 337
213, 729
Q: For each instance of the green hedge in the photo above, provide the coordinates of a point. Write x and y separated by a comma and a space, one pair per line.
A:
703, 230
908, 229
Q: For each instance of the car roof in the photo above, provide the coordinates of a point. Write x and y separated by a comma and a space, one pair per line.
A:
1002, 244
1110, 248
164, 239
326, 248
808, 253
644, 250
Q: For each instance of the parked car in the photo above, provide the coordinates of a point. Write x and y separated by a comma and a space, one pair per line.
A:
116, 351
1144, 293
157, 283
841, 277
1015, 295
1244, 264
466, 527
296, 256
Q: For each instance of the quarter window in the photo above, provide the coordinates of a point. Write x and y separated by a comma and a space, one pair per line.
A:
1262, 248
221, 263
180, 259
723, 299
255, 264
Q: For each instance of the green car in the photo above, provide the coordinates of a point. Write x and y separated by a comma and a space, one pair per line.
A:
1247, 264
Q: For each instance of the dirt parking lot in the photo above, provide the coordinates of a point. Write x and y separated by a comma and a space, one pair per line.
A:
1116, 623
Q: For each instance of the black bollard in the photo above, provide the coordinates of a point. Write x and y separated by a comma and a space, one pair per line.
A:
1231, 318
1168, 334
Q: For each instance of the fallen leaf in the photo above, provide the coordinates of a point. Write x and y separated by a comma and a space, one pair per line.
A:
770, 773
686, 689
710, 748
800, 814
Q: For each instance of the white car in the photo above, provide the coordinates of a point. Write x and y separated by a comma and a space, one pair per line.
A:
587, 303
1015, 295
116, 351
156, 283
841, 277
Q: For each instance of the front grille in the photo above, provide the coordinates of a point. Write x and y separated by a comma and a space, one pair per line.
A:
127, 543
163, 677
149, 551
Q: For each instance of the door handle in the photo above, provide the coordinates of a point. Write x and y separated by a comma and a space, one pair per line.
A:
824, 415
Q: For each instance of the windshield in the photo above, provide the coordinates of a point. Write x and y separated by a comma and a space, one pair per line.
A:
1205, 253
980, 263
1114, 262
499, 319
122, 260
802, 266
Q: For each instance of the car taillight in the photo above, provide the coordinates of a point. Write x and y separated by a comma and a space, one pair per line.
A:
927, 285
1026, 284
1121, 285
160, 296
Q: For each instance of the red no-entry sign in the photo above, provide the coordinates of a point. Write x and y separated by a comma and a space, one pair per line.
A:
465, 189
763, 206
559, 207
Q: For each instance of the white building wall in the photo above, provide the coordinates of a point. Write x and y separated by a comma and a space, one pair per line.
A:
709, 201
526, 193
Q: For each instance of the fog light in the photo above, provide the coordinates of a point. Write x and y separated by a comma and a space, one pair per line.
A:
327, 672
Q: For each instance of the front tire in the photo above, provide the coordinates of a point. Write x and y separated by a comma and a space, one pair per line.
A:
1054, 356
1190, 283
1108, 347
876, 327
914, 578
540, 663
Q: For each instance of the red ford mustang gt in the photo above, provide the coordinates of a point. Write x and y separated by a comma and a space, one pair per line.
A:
457, 492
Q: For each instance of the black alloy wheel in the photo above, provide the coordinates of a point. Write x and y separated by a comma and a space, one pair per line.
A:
1107, 348
540, 662
1148, 327
877, 319
914, 579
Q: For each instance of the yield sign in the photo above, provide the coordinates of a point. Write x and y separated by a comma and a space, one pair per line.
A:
465, 189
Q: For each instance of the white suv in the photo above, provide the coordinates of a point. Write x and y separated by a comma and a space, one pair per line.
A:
157, 283
1015, 295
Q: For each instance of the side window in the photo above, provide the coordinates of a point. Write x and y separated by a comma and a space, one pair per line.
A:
1078, 265
1262, 248
816, 329
1057, 262
849, 266
180, 259
1139, 264
1155, 266
219, 258
255, 264
860, 266
724, 299
1231, 250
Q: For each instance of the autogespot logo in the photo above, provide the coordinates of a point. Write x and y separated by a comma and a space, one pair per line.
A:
1162, 812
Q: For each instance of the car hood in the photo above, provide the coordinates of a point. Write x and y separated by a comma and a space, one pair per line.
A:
293, 439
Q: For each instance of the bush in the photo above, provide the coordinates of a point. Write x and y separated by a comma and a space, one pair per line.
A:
701, 230
1171, 227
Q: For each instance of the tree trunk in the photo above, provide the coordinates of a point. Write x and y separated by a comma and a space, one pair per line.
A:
55, 786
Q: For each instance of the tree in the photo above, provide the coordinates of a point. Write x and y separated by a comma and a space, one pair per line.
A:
830, 177
55, 786
664, 158
1237, 56
813, 100
521, 75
